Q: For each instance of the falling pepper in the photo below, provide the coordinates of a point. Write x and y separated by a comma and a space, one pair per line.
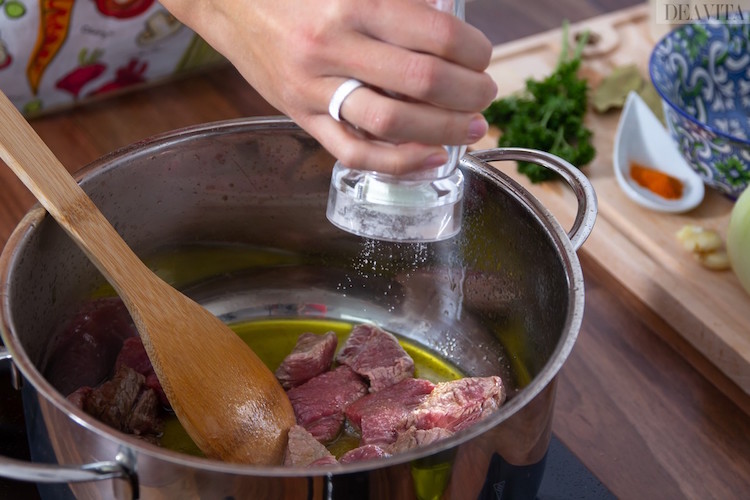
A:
657, 182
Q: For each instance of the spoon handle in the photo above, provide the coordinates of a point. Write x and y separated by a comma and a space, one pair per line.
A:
32, 161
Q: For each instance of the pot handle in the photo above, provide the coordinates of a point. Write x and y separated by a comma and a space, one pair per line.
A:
15, 377
584, 191
120, 468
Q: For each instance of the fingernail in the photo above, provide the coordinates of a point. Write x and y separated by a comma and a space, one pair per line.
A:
477, 128
435, 160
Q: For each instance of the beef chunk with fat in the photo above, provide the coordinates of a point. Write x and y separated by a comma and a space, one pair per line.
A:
458, 404
112, 401
304, 450
311, 356
143, 419
320, 402
414, 438
376, 355
381, 416
124, 403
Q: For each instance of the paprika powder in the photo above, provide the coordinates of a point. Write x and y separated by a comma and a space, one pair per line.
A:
657, 182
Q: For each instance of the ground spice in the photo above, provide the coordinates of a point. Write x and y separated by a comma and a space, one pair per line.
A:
655, 181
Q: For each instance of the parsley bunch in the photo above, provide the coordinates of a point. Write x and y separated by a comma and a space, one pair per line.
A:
548, 115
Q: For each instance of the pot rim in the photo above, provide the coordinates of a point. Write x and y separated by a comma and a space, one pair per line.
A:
548, 372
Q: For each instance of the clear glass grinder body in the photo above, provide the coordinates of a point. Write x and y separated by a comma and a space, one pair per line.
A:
421, 207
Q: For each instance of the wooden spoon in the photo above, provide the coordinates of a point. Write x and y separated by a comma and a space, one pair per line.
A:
227, 400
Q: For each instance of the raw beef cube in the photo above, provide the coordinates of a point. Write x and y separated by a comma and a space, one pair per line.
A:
457, 404
327, 460
85, 350
311, 356
303, 449
78, 397
366, 452
143, 419
125, 403
376, 355
325, 429
320, 402
413, 438
382, 416
112, 401
133, 355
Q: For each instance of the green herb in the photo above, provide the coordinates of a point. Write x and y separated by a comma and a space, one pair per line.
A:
548, 115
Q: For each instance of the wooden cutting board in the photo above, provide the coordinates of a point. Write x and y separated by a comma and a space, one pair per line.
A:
637, 246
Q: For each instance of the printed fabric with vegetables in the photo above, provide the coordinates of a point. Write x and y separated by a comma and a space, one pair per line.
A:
55, 54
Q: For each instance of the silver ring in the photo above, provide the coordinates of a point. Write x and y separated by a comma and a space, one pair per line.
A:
340, 95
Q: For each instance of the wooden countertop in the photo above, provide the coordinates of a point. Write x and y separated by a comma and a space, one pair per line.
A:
642, 409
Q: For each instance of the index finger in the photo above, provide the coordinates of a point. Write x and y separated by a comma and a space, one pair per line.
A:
416, 25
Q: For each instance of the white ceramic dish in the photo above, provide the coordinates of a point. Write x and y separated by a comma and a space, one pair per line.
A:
642, 138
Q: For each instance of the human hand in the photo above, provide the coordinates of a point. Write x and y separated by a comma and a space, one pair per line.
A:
297, 53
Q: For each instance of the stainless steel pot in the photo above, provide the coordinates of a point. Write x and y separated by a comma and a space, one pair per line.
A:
503, 297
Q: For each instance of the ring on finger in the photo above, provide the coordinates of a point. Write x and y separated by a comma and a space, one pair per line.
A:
340, 95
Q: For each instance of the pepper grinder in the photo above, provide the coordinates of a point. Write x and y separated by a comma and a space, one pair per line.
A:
422, 207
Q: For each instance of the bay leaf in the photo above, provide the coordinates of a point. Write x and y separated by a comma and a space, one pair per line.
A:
614, 88
652, 99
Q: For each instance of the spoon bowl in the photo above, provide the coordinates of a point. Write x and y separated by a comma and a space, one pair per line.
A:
225, 397
643, 139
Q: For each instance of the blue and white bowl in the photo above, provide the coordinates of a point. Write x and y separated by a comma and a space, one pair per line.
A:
702, 72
